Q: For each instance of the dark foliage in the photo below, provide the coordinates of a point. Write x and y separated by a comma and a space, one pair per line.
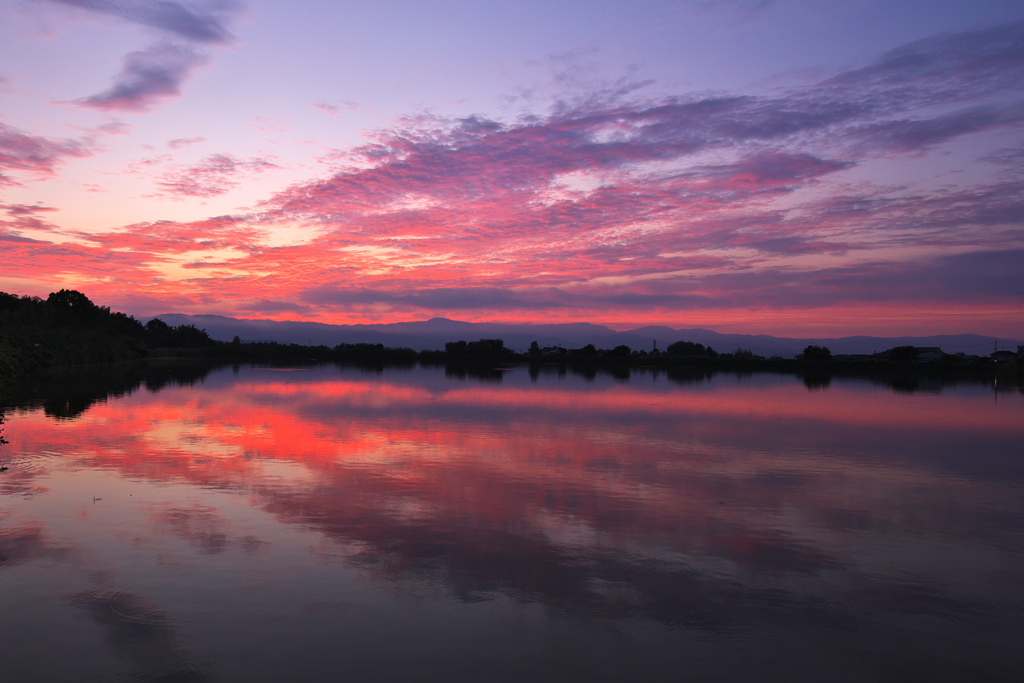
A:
161, 335
815, 352
685, 348
67, 328
64, 329
477, 348
902, 354
373, 352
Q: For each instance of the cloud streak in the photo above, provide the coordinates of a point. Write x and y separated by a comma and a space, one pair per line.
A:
179, 143
158, 72
147, 77
195, 22
34, 155
214, 175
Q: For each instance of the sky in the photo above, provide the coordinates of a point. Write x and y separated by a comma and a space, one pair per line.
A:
789, 167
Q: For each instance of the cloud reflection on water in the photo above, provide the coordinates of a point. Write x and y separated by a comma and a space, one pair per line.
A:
728, 508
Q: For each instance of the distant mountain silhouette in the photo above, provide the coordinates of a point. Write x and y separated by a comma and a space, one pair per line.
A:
432, 334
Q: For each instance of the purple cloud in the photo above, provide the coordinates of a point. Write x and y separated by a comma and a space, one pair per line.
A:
861, 113
269, 306
441, 298
971, 64
908, 135
1011, 158
26, 216
344, 105
22, 217
178, 143
993, 276
22, 152
158, 72
147, 77
214, 175
196, 24
114, 128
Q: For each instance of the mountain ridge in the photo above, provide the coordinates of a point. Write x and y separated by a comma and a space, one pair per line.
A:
433, 333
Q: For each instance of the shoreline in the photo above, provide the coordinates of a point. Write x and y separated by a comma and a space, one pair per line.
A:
1011, 373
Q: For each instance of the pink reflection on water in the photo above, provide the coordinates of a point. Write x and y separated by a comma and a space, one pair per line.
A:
578, 468
699, 508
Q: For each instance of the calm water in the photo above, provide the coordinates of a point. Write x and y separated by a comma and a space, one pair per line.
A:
262, 524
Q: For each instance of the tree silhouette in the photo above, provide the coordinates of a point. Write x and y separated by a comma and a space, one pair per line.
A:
158, 333
903, 354
815, 352
685, 348
479, 347
456, 348
70, 300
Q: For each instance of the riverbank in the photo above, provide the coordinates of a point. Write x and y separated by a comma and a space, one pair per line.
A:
949, 367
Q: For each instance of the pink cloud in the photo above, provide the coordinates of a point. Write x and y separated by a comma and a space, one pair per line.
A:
167, 238
34, 155
214, 175
343, 105
23, 217
179, 143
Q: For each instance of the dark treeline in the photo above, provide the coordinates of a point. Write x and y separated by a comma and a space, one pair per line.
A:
901, 368
67, 328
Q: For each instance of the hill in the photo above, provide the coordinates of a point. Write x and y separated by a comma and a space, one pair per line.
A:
432, 334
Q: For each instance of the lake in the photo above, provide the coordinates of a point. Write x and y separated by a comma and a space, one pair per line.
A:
175, 522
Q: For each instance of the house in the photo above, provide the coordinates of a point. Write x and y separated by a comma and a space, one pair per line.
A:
1002, 356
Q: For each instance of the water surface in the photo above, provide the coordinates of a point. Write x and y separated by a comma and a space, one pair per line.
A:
328, 523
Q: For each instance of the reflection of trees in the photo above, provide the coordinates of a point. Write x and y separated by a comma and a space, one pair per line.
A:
686, 376
817, 381
482, 372
912, 384
66, 393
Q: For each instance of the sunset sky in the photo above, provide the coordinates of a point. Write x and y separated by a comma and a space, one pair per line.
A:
792, 167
